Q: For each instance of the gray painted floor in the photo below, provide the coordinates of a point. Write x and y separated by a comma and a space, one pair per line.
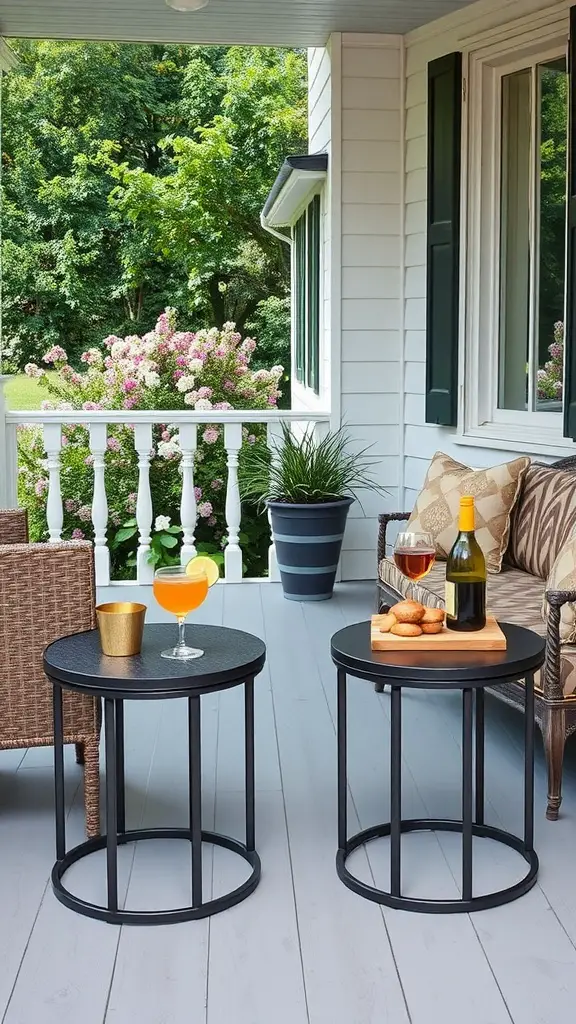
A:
302, 949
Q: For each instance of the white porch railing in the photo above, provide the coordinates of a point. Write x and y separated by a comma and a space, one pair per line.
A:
97, 424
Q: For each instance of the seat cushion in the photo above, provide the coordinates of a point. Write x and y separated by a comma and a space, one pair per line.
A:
563, 577
543, 520
495, 492
511, 596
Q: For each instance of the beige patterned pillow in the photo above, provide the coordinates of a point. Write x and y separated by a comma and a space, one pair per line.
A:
563, 577
495, 491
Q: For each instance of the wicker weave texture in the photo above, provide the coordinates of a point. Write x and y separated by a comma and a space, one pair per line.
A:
47, 591
13, 526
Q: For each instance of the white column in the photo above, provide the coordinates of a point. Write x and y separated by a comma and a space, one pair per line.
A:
232, 552
8, 455
98, 433
274, 434
143, 445
188, 438
54, 511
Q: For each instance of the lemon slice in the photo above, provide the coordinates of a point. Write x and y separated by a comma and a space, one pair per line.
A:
204, 564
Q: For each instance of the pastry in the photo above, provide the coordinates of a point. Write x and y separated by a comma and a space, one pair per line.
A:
387, 622
406, 629
432, 627
433, 615
408, 611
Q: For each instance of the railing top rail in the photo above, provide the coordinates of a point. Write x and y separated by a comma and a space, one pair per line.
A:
41, 416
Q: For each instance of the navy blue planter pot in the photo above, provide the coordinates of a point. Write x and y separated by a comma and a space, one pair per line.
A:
308, 541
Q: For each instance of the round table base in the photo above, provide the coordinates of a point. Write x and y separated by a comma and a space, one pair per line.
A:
457, 906
175, 916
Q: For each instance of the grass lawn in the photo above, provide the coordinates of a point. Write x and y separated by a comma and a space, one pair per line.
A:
24, 392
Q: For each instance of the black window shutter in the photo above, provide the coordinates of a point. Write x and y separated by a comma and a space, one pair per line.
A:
300, 299
570, 318
443, 238
313, 364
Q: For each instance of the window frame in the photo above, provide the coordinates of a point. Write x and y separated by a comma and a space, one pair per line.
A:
479, 416
307, 350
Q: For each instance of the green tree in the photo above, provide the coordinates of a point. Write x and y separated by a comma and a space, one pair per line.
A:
132, 178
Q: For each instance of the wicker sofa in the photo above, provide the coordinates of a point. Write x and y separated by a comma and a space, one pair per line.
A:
46, 591
513, 596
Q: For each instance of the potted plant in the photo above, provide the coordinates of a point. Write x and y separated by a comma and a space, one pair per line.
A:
308, 485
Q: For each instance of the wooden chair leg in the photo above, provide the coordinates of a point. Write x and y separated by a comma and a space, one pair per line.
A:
554, 736
79, 753
92, 787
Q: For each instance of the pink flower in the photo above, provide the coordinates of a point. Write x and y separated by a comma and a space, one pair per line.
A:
217, 484
40, 487
204, 392
128, 403
130, 384
165, 435
85, 513
221, 351
211, 521
32, 370
70, 505
211, 435
114, 444
46, 404
78, 534
181, 361
229, 385
89, 460
205, 509
240, 370
91, 406
251, 439
222, 405
197, 493
272, 399
177, 374
64, 440
56, 354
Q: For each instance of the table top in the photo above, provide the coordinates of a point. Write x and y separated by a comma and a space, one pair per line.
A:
230, 657
448, 670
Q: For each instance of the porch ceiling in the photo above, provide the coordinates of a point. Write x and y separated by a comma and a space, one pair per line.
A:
274, 22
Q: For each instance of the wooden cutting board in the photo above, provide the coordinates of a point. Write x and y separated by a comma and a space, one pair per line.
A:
491, 638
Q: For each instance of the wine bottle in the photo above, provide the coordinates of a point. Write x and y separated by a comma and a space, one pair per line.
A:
466, 576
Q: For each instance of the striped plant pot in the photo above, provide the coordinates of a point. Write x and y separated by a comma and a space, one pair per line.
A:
308, 541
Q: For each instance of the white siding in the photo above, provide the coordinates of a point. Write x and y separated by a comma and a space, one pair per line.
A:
371, 306
456, 32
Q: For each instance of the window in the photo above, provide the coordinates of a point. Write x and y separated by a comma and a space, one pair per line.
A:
306, 283
515, 255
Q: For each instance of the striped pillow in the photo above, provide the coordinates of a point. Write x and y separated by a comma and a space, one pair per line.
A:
543, 519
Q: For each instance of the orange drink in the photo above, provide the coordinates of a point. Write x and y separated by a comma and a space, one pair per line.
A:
182, 594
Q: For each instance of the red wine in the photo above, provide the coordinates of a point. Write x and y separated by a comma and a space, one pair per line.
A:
414, 562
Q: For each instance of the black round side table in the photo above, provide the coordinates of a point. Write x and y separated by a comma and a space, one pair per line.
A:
447, 670
76, 662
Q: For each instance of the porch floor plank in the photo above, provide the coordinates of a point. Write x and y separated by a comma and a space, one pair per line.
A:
302, 949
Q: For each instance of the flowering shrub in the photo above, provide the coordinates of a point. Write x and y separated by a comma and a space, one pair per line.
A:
165, 369
549, 379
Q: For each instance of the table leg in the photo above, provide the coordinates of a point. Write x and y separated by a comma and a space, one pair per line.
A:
342, 780
195, 796
529, 763
467, 789
479, 762
120, 784
60, 809
249, 764
111, 805
395, 790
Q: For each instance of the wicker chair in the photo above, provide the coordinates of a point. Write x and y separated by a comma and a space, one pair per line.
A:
46, 591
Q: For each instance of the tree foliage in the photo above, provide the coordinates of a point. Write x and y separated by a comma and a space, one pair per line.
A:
133, 177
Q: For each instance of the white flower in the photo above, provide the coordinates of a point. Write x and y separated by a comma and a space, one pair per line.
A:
189, 398
118, 349
195, 365
185, 383
152, 379
203, 403
161, 523
168, 449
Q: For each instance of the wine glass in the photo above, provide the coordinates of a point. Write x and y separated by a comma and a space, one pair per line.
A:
179, 589
414, 554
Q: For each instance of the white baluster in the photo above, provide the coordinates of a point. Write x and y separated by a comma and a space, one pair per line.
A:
143, 444
54, 511
188, 437
274, 434
232, 552
99, 504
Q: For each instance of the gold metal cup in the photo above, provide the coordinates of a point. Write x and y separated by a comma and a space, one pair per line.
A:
121, 625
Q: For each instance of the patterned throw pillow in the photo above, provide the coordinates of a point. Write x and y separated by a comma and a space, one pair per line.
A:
495, 491
543, 519
563, 577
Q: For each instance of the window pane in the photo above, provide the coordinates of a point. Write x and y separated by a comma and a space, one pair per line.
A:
515, 241
553, 93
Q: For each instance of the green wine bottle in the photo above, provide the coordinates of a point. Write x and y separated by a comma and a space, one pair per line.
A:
466, 576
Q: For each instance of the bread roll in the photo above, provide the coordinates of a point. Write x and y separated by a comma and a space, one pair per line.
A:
432, 627
406, 629
408, 611
387, 622
433, 615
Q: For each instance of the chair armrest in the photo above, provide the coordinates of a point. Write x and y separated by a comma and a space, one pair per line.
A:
13, 526
383, 520
552, 680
